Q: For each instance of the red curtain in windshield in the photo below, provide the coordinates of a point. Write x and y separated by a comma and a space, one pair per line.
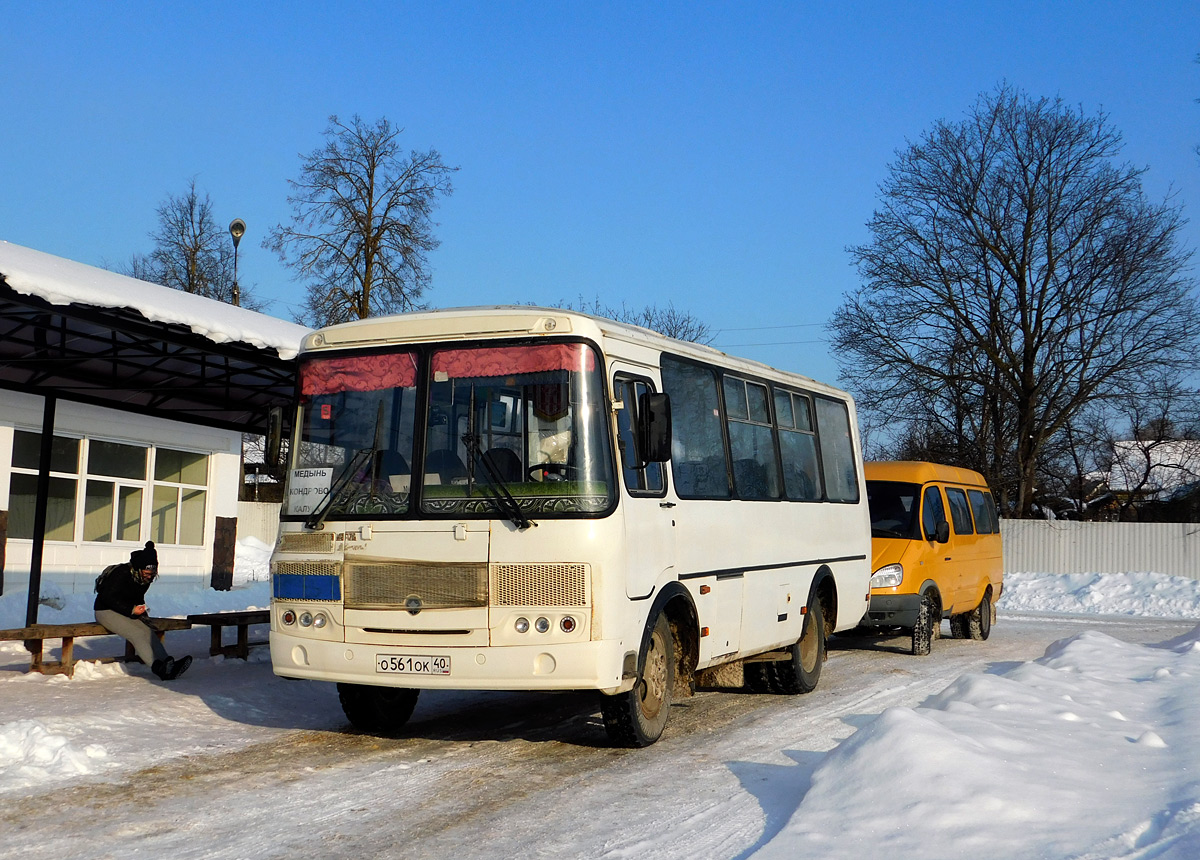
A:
358, 373
505, 360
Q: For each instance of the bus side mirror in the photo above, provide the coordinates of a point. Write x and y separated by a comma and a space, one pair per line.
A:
274, 436
943, 532
654, 427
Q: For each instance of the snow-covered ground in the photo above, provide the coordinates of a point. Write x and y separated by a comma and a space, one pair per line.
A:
1090, 752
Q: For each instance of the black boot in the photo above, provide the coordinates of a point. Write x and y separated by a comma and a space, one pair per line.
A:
163, 668
178, 668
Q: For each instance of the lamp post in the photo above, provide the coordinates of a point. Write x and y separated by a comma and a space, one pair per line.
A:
237, 229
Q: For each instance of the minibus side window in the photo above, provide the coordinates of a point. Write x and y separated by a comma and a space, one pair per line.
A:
960, 511
985, 522
932, 512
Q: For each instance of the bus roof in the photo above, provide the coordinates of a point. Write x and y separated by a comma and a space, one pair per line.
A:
920, 472
528, 321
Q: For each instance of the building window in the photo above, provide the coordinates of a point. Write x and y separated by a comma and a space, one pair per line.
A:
119, 502
22, 486
177, 512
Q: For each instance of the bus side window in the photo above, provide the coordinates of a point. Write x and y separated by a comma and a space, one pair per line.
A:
646, 480
837, 450
698, 462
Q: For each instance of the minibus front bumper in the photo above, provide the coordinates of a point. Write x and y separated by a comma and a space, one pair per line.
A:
892, 610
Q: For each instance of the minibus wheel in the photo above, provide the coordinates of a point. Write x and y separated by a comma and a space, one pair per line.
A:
637, 718
928, 618
979, 619
802, 670
378, 710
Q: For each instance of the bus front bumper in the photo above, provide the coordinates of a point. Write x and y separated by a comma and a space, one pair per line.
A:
568, 666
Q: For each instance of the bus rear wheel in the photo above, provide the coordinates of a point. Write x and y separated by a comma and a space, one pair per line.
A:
637, 718
377, 710
801, 672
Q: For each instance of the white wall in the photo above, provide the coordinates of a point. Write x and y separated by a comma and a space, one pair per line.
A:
72, 565
1062, 546
259, 520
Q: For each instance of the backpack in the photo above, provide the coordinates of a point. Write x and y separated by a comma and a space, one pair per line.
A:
103, 577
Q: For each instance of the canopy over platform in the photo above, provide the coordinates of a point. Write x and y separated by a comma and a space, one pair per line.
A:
81, 333
74, 332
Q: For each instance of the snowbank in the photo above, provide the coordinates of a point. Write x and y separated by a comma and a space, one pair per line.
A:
1092, 751
1147, 594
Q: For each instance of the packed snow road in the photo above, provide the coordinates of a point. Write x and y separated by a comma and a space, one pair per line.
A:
493, 775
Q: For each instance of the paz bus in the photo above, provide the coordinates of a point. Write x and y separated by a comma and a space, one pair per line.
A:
522, 498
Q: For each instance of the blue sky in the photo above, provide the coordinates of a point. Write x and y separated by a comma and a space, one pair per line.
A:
720, 156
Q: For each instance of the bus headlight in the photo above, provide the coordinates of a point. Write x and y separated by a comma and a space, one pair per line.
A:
306, 619
567, 624
542, 625
888, 576
320, 620
288, 617
522, 625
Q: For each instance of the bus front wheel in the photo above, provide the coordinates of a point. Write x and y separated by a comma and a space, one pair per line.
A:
637, 718
377, 710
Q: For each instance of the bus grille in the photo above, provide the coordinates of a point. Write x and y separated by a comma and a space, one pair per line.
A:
302, 542
540, 584
415, 585
306, 568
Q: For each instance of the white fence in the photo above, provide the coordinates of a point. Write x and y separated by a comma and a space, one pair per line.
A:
1062, 546
259, 520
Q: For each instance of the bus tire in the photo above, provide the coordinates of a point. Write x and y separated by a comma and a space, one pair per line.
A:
979, 619
377, 710
927, 619
637, 718
801, 672
757, 677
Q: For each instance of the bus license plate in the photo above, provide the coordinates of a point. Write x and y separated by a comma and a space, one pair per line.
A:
417, 664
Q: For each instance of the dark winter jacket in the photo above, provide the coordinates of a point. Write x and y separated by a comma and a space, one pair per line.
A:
120, 591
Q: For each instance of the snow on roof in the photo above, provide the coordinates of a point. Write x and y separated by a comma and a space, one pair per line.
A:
63, 282
1156, 468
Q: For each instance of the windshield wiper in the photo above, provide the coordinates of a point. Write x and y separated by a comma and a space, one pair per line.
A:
503, 499
364, 459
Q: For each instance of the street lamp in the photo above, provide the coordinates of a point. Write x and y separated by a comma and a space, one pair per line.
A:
237, 229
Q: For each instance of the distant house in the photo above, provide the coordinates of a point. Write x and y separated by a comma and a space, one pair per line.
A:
1146, 474
149, 391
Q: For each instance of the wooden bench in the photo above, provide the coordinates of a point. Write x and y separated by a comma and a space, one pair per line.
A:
35, 636
242, 620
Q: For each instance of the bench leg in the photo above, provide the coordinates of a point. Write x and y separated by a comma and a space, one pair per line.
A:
34, 647
68, 655
214, 640
243, 643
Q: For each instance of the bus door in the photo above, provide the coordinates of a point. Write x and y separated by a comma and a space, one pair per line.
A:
648, 515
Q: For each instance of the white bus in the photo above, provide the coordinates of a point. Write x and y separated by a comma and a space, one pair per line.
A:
521, 498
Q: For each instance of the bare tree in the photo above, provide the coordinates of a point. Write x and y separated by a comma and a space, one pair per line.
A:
360, 228
670, 321
191, 252
1015, 275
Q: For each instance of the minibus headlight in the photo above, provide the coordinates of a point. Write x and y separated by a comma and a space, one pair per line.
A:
888, 576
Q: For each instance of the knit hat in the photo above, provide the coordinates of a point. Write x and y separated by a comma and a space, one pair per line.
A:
140, 559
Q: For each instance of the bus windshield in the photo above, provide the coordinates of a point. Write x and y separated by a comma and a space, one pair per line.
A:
521, 424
